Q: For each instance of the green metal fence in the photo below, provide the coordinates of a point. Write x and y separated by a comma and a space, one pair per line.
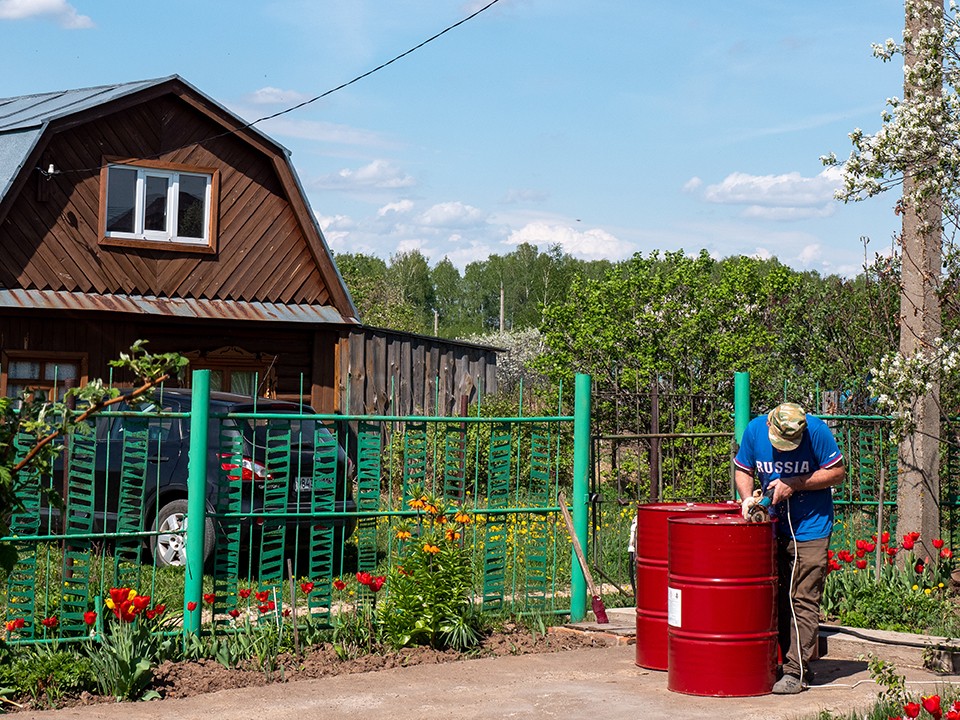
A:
295, 497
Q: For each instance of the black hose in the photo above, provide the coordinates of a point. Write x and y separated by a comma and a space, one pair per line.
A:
882, 641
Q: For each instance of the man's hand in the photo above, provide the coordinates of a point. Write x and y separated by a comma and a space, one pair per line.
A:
781, 490
746, 505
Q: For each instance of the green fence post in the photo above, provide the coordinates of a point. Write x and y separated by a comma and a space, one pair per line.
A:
580, 494
741, 409
196, 500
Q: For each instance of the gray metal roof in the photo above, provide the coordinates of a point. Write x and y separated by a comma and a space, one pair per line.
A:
32, 111
23, 119
195, 308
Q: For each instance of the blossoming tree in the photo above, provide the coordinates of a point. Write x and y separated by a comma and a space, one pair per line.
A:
917, 148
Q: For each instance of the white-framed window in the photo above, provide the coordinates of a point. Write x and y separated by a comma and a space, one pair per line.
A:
152, 202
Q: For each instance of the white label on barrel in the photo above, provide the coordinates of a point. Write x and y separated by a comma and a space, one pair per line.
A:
673, 606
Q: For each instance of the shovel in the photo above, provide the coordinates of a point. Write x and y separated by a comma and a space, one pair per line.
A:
597, 602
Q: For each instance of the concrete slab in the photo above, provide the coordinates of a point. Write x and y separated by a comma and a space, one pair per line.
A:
590, 683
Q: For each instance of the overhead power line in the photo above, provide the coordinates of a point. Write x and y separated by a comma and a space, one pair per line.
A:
299, 105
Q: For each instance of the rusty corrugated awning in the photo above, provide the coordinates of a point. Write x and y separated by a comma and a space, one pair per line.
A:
171, 307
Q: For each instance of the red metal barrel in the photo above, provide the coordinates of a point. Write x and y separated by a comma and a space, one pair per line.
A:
722, 609
651, 547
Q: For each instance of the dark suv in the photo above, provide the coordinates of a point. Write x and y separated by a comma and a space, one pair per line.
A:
249, 458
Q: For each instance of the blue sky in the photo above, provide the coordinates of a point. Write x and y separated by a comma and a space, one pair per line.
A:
607, 126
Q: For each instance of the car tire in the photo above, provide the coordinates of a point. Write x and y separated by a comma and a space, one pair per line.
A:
170, 548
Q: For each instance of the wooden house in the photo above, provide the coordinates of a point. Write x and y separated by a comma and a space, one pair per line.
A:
148, 210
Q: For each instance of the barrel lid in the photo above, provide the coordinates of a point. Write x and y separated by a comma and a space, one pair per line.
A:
711, 520
698, 507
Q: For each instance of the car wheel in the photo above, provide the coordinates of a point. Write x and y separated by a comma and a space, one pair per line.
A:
169, 547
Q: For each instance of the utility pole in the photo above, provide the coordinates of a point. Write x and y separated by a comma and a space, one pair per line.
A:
918, 478
501, 307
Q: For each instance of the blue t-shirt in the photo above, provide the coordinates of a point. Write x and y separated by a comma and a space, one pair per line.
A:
811, 513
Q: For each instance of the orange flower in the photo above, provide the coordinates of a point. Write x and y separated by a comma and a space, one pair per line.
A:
431, 549
461, 517
452, 534
415, 503
404, 534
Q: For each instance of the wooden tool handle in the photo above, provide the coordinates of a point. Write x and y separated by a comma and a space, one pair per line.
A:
576, 544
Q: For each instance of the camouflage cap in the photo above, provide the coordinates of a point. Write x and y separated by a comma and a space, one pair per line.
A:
786, 423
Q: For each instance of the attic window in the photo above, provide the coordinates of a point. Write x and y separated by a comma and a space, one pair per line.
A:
147, 204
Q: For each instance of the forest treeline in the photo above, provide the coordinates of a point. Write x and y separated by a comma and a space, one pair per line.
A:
688, 321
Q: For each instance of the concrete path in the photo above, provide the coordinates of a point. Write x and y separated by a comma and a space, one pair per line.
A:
595, 684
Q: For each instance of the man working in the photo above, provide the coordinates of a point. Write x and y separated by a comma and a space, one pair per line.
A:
796, 456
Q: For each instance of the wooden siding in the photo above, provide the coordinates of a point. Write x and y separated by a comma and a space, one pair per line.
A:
385, 372
263, 254
378, 371
104, 338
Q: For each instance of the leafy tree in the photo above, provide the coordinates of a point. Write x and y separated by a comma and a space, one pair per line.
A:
36, 422
379, 301
409, 275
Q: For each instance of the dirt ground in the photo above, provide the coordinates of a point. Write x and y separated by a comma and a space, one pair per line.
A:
191, 678
587, 671
590, 683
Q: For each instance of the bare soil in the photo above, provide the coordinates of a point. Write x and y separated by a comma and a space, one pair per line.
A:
196, 677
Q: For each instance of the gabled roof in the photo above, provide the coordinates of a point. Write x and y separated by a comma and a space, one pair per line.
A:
26, 120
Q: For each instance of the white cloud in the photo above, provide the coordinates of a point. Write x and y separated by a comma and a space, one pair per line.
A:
779, 197
524, 195
336, 229
401, 207
692, 184
810, 254
60, 10
789, 213
761, 254
317, 130
451, 214
592, 244
379, 174
275, 96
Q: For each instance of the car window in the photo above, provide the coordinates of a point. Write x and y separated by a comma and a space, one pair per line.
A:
255, 431
160, 430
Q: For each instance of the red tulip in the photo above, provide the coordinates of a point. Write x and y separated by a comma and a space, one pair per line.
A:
191, 606
244, 593
262, 596
50, 622
90, 617
946, 553
234, 613
307, 587
907, 542
377, 583
862, 564
870, 547
911, 709
209, 598
938, 543
932, 705
364, 578
140, 603
339, 584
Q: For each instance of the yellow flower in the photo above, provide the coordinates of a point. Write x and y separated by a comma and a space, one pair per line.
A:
940, 585
916, 587
927, 591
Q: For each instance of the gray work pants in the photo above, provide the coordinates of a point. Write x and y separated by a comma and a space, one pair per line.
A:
808, 573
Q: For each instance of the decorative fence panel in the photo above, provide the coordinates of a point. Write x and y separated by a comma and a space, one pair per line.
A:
290, 499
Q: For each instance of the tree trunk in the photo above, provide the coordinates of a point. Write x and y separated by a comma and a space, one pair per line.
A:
918, 477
